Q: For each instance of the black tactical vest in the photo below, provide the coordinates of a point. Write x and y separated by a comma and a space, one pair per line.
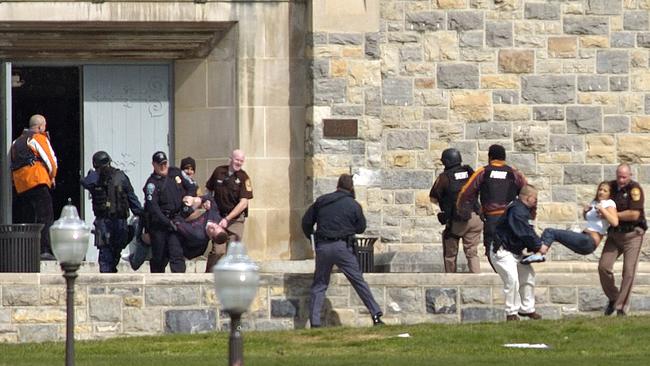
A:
108, 195
498, 185
21, 154
457, 176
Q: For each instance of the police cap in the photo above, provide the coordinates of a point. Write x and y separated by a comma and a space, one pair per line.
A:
159, 157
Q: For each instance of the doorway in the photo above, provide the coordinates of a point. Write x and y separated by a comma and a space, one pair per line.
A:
54, 92
123, 109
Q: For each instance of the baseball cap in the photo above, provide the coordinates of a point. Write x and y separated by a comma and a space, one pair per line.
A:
159, 157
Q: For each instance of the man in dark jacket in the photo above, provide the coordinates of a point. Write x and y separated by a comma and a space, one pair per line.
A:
164, 192
112, 196
338, 217
514, 233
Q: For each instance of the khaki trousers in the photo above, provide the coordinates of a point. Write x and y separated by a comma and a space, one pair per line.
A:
470, 232
629, 245
235, 233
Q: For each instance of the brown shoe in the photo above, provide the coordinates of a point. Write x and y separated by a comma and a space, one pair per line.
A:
534, 315
512, 317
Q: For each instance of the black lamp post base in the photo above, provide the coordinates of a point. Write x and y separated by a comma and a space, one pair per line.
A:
70, 275
236, 350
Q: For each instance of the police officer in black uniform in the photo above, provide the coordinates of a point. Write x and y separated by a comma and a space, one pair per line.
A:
164, 191
112, 195
445, 192
338, 217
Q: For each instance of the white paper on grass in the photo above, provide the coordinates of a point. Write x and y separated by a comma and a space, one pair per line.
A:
404, 335
526, 345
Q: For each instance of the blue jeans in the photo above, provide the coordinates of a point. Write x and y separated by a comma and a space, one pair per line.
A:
580, 243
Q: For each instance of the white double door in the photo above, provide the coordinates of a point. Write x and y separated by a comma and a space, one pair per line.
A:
126, 112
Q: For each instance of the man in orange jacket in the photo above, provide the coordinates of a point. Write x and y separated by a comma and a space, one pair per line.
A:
33, 169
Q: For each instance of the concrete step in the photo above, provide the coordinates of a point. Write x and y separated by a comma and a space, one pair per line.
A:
307, 266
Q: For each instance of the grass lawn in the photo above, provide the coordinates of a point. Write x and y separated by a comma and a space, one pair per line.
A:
581, 341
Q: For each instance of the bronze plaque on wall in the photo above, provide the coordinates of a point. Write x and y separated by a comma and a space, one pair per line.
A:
340, 128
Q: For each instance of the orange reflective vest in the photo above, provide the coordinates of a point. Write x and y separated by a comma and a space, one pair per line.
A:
44, 168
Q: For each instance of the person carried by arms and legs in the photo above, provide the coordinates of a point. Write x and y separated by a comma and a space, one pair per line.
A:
600, 215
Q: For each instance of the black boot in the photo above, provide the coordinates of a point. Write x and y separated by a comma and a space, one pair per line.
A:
376, 319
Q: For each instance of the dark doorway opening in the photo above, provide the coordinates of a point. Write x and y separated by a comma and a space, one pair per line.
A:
54, 92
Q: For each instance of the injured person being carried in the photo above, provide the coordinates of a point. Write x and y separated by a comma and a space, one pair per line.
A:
197, 229
600, 215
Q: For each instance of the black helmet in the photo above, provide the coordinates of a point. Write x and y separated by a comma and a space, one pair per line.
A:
451, 157
101, 159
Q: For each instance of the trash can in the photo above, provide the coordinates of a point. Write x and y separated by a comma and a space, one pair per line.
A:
20, 248
365, 253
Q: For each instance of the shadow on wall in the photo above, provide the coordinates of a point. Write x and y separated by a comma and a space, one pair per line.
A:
296, 302
299, 96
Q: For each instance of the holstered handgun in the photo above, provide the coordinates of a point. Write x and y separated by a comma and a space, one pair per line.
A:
352, 242
102, 236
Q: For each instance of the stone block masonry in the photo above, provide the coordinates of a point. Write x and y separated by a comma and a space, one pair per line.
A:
564, 86
32, 306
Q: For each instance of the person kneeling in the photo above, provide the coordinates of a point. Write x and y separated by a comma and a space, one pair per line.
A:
514, 233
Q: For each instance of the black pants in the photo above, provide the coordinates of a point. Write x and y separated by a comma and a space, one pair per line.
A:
40, 201
489, 228
166, 248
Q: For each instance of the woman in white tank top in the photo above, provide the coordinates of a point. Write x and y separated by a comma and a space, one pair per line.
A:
600, 215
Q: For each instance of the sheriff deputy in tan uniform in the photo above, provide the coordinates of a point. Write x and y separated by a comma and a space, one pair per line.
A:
232, 189
625, 239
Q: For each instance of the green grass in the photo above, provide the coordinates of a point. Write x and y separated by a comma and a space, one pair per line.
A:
581, 341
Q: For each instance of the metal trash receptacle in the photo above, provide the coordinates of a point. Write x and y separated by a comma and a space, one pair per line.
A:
365, 253
20, 248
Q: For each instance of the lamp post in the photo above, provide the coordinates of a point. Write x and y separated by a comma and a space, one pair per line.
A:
69, 235
236, 279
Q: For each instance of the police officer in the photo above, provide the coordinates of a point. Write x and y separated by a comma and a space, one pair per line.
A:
625, 239
338, 217
232, 188
112, 195
164, 191
444, 192
497, 184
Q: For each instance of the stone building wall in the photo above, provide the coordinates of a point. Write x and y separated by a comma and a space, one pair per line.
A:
32, 306
563, 85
